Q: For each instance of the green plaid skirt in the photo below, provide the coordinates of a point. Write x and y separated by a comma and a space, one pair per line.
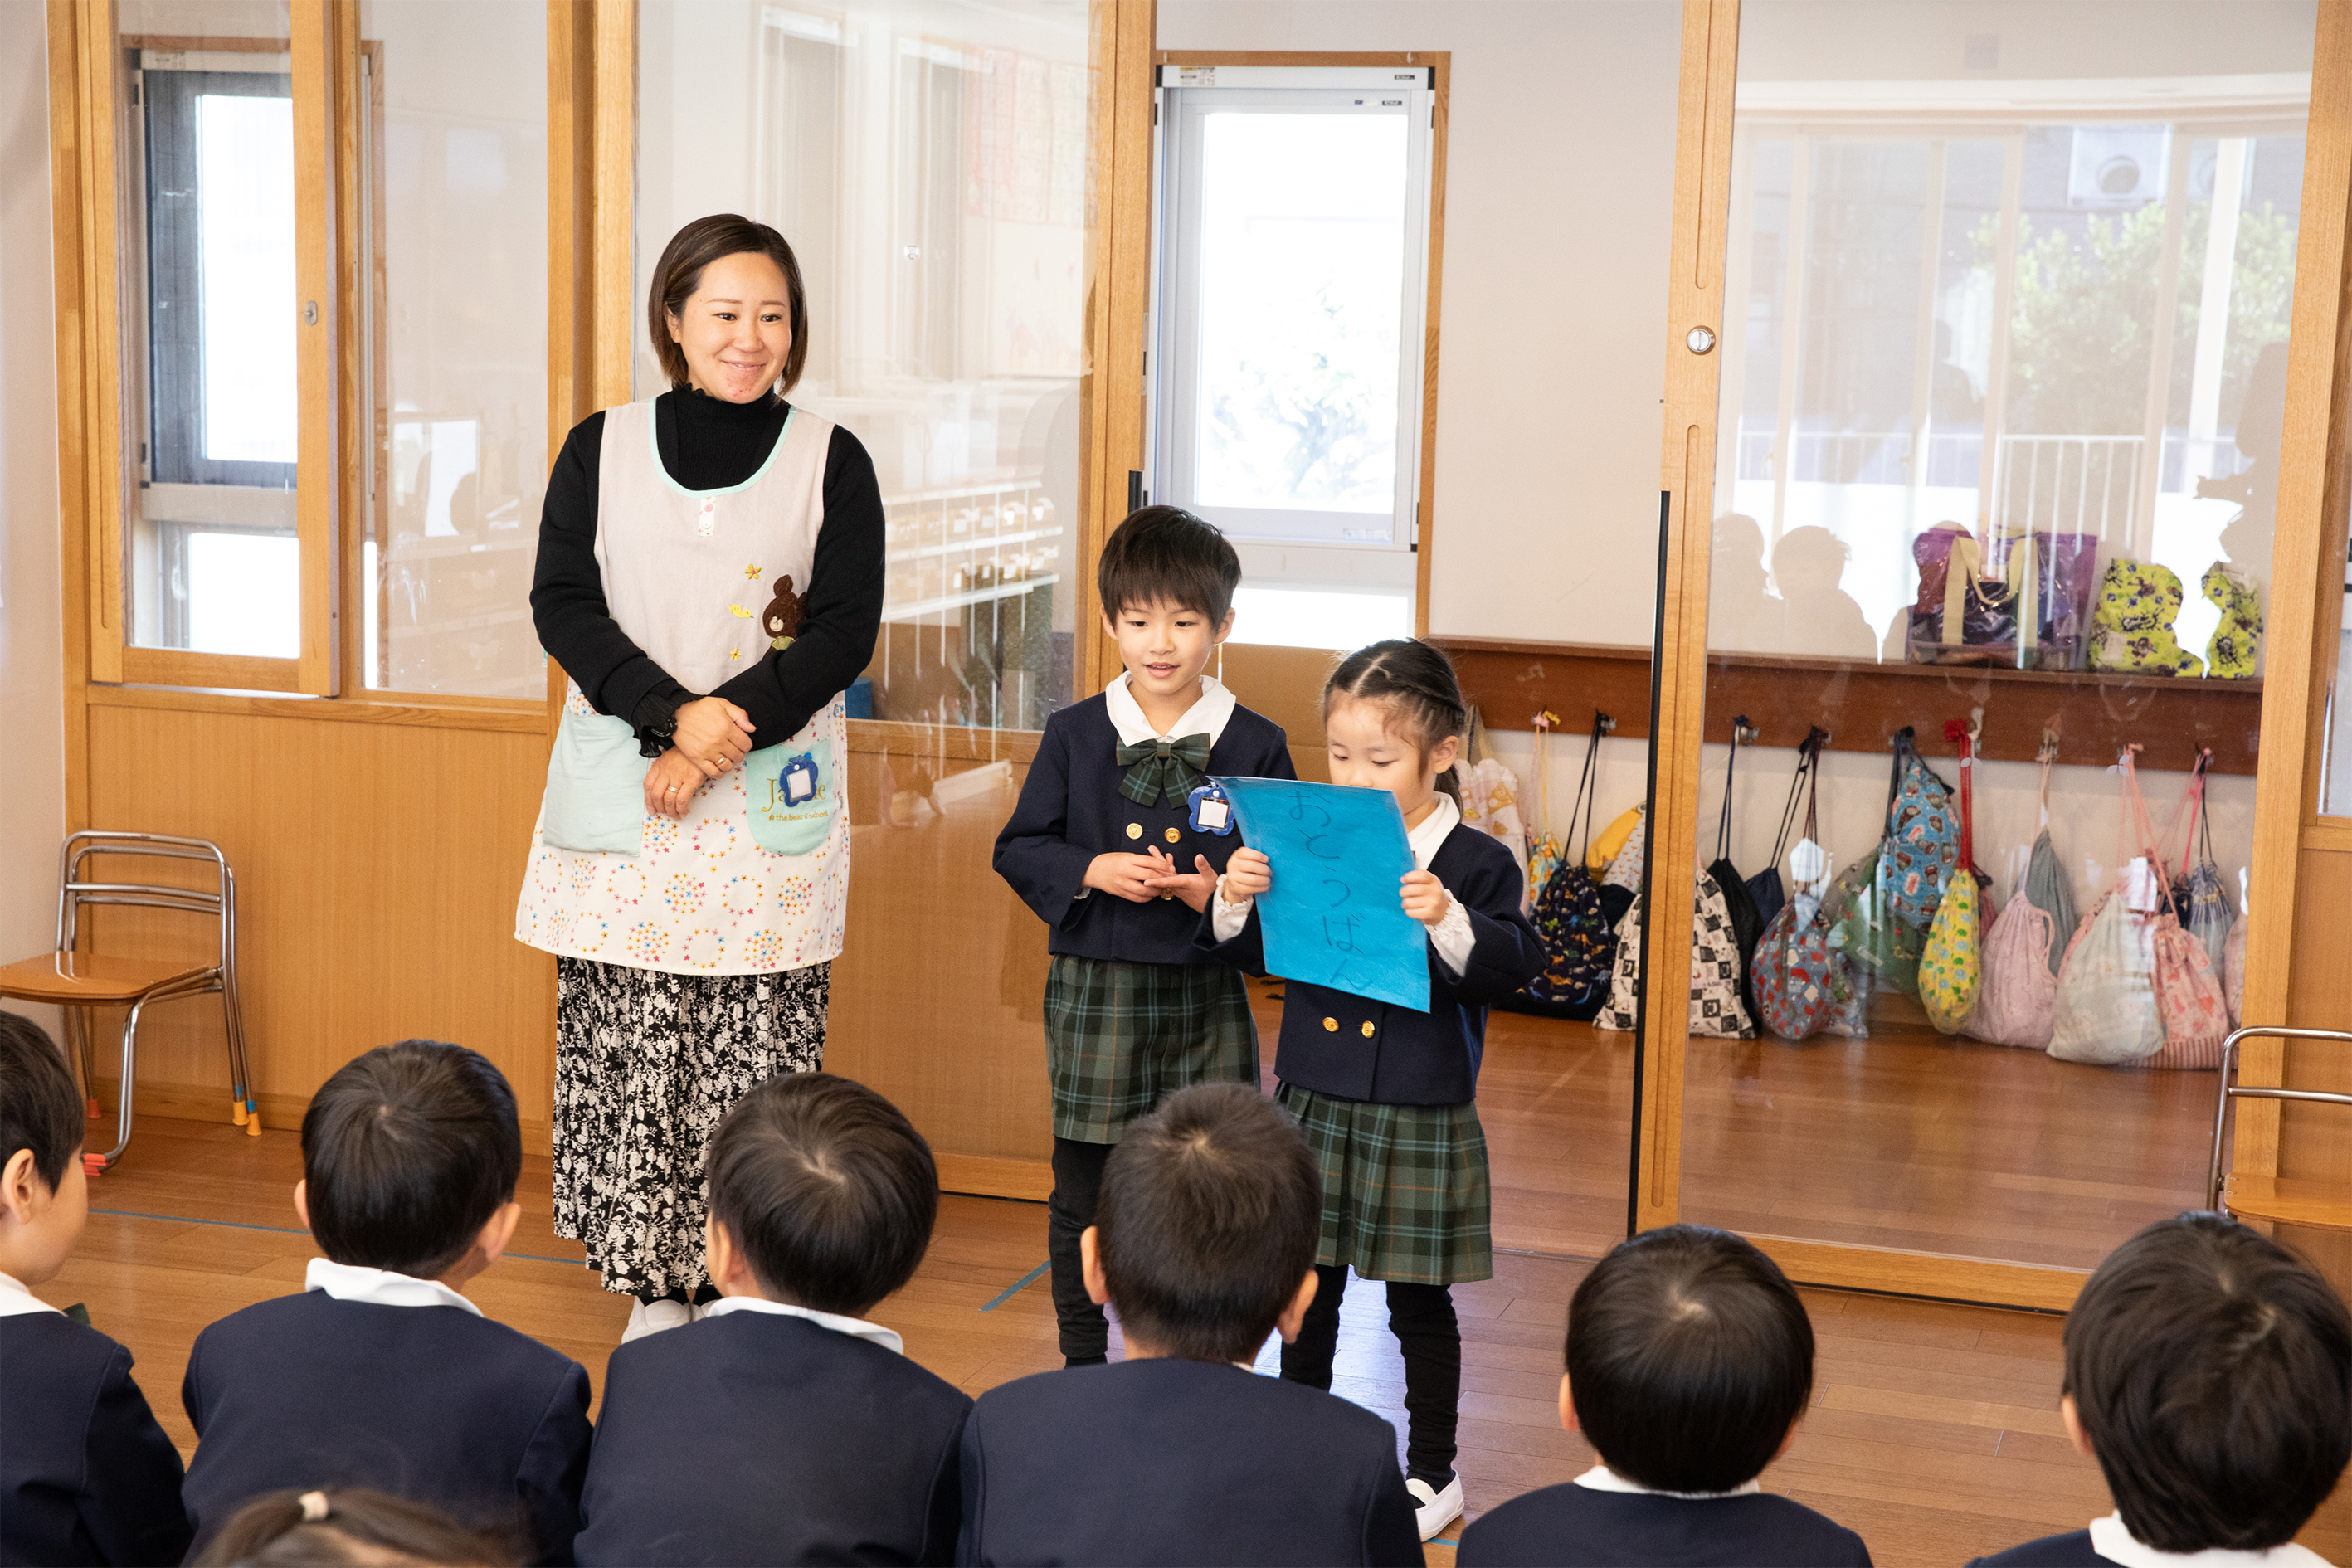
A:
1121, 1037
1404, 1187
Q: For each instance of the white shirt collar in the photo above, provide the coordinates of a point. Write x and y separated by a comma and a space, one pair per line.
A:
1206, 716
2113, 1540
17, 1301
855, 1328
1425, 839
352, 1282
1602, 1478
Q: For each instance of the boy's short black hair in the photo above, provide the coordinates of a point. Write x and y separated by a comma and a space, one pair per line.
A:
1164, 553
1209, 1217
1689, 1357
2211, 1369
406, 1153
827, 1190
40, 1109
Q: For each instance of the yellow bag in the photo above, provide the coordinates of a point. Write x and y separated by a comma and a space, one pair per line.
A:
1949, 972
1612, 840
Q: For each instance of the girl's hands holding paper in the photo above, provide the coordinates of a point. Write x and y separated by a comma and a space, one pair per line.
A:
1424, 898
1248, 875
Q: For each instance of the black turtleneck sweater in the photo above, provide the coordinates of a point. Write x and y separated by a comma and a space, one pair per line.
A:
706, 443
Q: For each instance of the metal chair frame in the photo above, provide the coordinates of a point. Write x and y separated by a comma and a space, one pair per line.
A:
75, 894
2231, 1092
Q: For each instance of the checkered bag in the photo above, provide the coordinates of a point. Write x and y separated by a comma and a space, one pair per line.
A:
1715, 1008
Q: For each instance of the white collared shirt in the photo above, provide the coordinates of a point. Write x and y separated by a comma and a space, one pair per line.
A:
2113, 1540
1602, 1478
353, 1282
16, 1299
1207, 715
855, 1328
1450, 937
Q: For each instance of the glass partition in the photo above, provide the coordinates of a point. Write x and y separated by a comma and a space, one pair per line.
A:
454, 194
2004, 374
928, 161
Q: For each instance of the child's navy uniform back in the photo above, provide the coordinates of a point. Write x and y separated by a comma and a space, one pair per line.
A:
430, 1403
2072, 1550
1170, 1461
1570, 1525
762, 1438
1071, 810
86, 1476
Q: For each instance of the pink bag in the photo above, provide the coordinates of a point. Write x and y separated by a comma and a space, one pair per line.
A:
2018, 993
2187, 995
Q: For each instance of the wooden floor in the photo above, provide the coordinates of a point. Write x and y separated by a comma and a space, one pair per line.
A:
1934, 1430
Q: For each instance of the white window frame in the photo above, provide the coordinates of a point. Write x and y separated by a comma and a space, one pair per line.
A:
1309, 553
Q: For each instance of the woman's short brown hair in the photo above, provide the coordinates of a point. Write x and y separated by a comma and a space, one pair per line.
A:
696, 246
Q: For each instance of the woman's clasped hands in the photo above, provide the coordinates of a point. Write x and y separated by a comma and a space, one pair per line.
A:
712, 736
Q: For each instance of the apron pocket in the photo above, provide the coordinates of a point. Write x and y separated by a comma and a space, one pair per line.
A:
595, 786
792, 792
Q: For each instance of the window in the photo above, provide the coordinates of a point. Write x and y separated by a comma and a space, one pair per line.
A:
2073, 324
1288, 326
212, 560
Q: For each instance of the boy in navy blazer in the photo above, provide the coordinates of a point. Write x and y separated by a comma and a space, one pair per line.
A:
1117, 842
781, 1426
1203, 1240
86, 1476
1690, 1359
2208, 1370
381, 1374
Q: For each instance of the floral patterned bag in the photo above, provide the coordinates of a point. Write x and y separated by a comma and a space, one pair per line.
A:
2019, 987
1800, 981
2234, 652
2198, 895
2131, 626
2189, 996
1580, 939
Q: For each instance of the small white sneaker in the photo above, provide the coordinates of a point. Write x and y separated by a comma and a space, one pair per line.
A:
652, 1318
1434, 1510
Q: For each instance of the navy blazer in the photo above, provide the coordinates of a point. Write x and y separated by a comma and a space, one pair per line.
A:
1070, 811
2072, 1549
86, 1476
1352, 1048
1179, 1462
429, 1403
758, 1437
1571, 1524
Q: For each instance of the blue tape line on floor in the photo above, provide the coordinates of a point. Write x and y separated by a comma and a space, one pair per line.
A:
1018, 1286
292, 1230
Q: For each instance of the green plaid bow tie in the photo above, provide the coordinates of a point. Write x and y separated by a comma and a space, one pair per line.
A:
1163, 769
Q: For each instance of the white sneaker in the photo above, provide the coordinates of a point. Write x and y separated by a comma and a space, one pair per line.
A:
1432, 1509
652, 1318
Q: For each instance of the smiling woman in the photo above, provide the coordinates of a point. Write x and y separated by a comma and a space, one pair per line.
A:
710, 579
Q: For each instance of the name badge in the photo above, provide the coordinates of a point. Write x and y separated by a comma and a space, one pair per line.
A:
1211, 811
800, 778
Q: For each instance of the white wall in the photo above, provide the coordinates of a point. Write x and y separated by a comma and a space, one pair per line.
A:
1559, 170
32, 657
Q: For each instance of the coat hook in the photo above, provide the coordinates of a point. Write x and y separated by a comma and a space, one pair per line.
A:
1743, 734
1544, 719
1607, 726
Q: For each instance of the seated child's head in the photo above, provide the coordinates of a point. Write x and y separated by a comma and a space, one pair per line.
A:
409, 1160
44, 1194
821, 1196
355, 1526
1206, 1227
1689, 1360
1394, 718
1167, 580
2209, 1372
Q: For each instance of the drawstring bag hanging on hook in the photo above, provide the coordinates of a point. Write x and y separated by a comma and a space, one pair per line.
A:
1571, 917
1949, 969
2199, 895
1803, 986
1765, 890
1740, 910
2106, 1010
2018, 993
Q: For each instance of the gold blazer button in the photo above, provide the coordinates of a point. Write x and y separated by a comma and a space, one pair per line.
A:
1135, 830
1367, 1028
1332, 1025
1175, 837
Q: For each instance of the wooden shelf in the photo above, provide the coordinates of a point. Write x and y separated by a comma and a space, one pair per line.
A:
1861, 704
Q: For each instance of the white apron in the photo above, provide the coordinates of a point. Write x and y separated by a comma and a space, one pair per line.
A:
691, 575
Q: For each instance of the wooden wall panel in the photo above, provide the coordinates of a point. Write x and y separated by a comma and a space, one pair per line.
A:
377, 866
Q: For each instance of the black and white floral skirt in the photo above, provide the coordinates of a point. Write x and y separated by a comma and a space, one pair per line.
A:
646, 1063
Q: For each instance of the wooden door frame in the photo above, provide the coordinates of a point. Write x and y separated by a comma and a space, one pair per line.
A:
2316, 478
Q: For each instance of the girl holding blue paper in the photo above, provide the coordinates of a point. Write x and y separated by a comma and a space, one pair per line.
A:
1385, 1095
709, 577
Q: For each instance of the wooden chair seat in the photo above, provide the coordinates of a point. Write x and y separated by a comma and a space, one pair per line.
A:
89, 979
2289, 1200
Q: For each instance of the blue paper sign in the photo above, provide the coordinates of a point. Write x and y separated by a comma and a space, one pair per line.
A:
1335, 915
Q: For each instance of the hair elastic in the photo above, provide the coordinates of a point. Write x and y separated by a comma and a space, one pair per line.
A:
314, 1507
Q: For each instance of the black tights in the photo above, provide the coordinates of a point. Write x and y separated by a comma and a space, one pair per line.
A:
1077, 1179
1422, 1317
